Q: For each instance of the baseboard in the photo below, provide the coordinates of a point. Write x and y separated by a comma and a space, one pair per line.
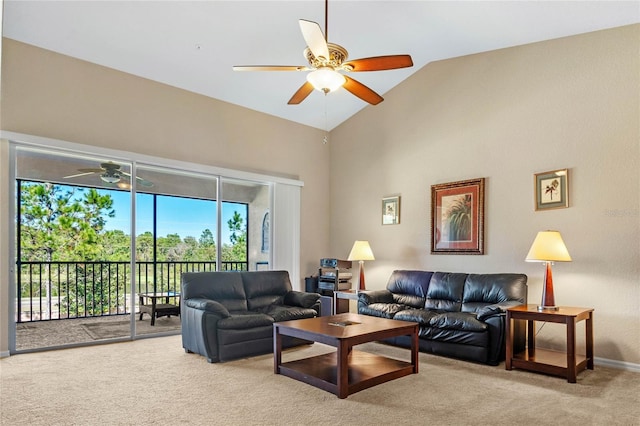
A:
622, 365
4, 354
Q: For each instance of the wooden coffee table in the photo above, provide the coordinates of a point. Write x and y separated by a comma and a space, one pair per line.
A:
346, 370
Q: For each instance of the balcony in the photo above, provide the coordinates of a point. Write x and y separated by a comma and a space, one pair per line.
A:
65, 303
68, 290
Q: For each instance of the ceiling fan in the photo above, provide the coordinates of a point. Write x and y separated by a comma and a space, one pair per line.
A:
111, 173
326, 59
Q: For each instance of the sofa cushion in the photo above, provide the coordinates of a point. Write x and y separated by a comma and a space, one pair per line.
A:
287, 313
223, 287
481, 290
409, 300
455, 336
265, 288
445, 291
414, 283
240, 320
457, 321
246, 337
299, 298
421, 316
382, 310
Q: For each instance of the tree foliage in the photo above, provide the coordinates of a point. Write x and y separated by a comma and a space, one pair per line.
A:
67, 224
64, 223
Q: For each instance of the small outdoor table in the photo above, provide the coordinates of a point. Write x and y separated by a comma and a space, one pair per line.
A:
157, 310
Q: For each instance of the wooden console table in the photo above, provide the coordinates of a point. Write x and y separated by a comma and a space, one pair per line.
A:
564, 364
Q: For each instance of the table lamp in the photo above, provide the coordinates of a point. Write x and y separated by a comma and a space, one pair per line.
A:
361, 251
548, 247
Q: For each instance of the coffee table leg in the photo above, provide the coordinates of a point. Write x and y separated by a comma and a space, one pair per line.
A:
277, 350
414, 350
342, 370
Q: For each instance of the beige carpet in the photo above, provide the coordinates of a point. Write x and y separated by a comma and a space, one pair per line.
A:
152, 381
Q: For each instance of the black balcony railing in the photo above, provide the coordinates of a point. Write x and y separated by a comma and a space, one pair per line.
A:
64, 290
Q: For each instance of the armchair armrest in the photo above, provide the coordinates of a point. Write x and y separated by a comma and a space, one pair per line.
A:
495, 309
208, 305
301, 299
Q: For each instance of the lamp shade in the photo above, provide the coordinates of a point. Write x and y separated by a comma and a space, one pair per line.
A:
326, 79
361, 251
548, 246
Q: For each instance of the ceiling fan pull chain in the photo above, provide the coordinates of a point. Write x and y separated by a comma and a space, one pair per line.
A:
326, 126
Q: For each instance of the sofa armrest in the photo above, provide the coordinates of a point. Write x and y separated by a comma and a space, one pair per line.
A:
374, 296
495, 309
208, 305
301, 299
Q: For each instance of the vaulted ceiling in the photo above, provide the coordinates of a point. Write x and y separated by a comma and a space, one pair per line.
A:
194, 44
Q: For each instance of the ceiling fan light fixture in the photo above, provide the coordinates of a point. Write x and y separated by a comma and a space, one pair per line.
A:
326, 79
109, 177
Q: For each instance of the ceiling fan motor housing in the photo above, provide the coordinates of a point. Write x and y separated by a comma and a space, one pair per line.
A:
337, 55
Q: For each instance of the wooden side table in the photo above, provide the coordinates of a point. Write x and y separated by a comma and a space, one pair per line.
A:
343, 294
564, 364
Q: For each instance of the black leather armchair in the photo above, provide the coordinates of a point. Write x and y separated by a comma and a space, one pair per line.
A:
229, 315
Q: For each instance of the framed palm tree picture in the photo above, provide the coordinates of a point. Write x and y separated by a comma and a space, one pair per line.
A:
457, 217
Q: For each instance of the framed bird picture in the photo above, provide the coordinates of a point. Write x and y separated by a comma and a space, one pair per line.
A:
551, 189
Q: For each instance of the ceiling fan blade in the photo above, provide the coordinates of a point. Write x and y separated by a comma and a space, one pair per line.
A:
270, 68
86, 173
362, 91
314, 38
379, 63
301, 94
141, 181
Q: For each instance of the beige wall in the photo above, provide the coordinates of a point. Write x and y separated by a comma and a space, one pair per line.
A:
51, 95
55, 96
505, 115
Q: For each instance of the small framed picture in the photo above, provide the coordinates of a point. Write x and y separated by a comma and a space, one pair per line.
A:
457, 217
391, 210
551, 189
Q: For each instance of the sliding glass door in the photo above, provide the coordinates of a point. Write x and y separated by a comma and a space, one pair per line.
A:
73, 257
100, 242
175, 227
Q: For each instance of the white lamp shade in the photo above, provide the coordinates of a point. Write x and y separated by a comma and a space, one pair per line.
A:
548, 247
361, 251
326, 79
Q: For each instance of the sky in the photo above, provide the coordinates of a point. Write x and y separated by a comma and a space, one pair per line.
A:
182, 216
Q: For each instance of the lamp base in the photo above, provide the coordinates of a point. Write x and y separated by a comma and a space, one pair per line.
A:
548, 308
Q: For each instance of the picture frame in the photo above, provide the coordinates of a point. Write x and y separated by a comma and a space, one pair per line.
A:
391, 210
551, 190
457, 217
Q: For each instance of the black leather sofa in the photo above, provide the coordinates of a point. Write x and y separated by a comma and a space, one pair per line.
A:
230, 315
460, 315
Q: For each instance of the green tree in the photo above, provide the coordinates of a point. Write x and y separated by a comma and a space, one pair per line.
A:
237, 250
207, 247
144, 247
116, 246
61, 223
